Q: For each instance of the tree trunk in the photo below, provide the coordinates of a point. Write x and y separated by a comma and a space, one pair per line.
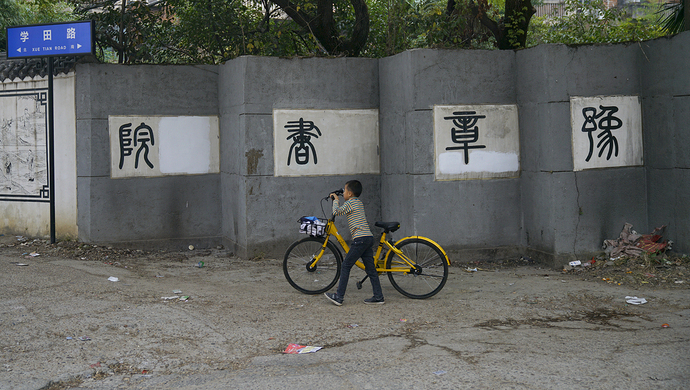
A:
510, 31
323, 27
516, 24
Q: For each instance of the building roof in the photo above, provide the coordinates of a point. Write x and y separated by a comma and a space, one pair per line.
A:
32, 67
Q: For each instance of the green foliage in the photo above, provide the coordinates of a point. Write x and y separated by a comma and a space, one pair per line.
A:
592, 22
399, 25
213, 31
671, 17
514, 30
192, 31
19, 13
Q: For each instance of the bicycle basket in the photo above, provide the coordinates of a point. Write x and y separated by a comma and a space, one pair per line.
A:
315, 227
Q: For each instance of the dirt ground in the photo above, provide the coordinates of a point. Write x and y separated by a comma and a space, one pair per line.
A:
168, 323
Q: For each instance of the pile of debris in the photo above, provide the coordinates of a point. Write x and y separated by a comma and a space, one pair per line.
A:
636, 259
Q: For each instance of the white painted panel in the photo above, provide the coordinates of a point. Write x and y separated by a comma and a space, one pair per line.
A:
606, 131
325, 142
188, 145
147, 146
476, 142
134, 143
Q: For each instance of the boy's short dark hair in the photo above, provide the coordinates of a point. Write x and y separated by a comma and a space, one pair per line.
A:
355, 186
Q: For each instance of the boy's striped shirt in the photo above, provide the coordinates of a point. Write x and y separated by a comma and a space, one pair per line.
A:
356, 219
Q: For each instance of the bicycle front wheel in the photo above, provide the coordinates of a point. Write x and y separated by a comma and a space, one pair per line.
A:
319, 278
428, 274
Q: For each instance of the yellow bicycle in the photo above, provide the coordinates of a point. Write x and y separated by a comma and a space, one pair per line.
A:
416, 266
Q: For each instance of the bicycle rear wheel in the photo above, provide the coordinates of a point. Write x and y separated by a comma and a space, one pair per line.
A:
429, 274
312, 280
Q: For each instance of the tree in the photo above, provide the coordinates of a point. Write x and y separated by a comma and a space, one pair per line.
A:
593, 22
317, 19
673, 17
127, 27
18, 13
510, 30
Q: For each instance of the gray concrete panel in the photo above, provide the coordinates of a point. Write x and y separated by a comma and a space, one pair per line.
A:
551, 206
680, 143
233, 213
393, 136
230, 137
231, 86
606, 200
664, 65
82, 86
84, 203
311, 82
668, 205
256, 158
419, 151
93, 136
395, 83
537, 206
659, 132
545, 137
397, 202
179, 207
146, 90
565, 211
542, 74
681, 235
462, 77
603, 70
467, 213
553, 73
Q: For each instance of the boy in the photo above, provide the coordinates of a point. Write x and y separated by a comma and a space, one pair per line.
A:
362, 240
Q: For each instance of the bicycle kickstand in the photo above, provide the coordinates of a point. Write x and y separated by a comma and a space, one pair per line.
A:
359, 284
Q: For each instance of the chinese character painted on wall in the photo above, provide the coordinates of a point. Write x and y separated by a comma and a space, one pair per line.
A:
465, 132
606, 124
606, 132
125, 137
301, 132
143, 134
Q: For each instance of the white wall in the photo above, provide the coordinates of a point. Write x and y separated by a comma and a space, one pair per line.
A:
33, 218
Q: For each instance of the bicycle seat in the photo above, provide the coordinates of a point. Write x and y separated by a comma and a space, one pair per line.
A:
388, 226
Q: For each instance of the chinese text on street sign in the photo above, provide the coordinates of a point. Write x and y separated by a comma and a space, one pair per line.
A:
46, 40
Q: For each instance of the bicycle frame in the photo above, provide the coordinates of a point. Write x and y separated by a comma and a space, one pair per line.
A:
332, 230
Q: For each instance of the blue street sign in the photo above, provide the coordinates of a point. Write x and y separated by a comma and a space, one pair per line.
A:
46, 40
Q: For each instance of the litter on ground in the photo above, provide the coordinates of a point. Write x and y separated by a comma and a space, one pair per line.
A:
298, 349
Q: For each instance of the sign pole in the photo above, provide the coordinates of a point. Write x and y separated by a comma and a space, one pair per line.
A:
50, 40
51, 150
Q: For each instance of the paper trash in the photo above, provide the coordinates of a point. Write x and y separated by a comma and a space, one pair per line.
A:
296, 348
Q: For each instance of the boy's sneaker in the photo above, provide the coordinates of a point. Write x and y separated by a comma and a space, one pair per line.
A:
374, 301
334, 298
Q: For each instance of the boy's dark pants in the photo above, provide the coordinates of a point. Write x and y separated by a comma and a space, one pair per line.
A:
360, 247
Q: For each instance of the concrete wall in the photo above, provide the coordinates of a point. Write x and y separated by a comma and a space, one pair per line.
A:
33, 218
550, 210
260, 211
176, 210
462, 214
566, 212
664, 67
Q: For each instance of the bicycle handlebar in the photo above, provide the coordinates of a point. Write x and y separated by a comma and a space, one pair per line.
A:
339, 191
